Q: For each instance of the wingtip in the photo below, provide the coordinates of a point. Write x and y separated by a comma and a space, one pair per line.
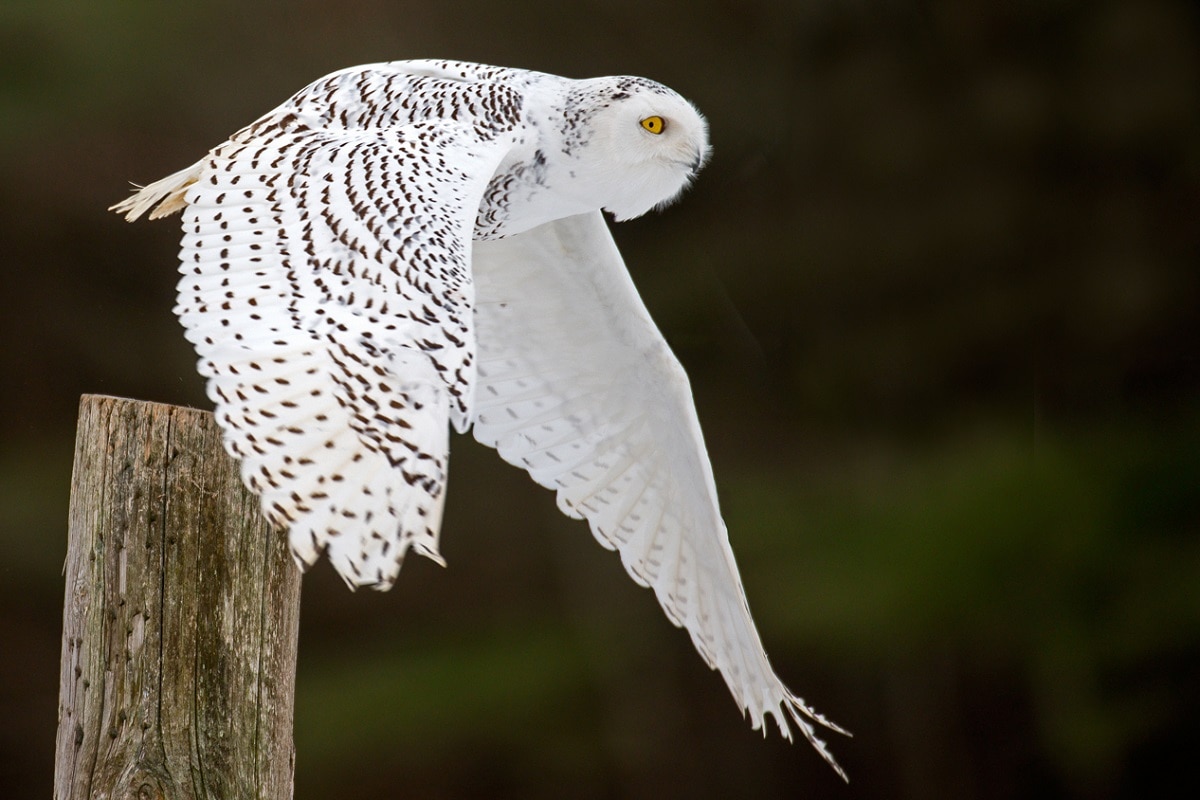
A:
800, 713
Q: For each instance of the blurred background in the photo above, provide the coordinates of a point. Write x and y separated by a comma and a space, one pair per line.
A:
938, 295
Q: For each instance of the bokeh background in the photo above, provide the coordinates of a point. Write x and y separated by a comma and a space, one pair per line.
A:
938, 295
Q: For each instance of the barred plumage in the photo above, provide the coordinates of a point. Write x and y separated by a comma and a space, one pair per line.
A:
402, 247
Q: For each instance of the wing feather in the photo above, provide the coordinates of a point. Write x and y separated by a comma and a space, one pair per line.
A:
578, 387
326, 288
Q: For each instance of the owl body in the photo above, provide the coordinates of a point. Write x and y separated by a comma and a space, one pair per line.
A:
405, 247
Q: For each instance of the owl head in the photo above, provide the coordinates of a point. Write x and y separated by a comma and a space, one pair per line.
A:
640, 144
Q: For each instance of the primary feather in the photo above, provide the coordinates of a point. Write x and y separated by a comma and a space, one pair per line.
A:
407, 246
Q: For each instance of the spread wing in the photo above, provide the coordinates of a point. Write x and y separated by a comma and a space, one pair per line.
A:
327, 292
577, 386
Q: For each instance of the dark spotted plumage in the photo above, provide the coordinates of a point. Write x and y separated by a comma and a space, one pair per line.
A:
407, 246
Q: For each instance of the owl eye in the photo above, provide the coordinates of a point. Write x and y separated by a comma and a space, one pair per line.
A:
654, 124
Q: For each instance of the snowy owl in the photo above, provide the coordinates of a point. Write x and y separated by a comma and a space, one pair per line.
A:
407, 246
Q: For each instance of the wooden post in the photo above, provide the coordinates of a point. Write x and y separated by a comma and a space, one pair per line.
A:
180, 620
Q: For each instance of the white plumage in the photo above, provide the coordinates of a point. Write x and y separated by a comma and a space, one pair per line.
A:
402, 247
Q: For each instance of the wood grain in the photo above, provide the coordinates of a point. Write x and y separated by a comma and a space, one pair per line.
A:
180, 620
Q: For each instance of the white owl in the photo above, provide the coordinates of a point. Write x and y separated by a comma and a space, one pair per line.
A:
404, 246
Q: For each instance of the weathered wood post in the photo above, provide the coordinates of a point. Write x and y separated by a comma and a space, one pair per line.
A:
180, 620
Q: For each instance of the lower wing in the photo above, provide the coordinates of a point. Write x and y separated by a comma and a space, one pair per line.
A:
577, 386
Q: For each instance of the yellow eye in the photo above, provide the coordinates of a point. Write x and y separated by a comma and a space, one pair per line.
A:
654, 124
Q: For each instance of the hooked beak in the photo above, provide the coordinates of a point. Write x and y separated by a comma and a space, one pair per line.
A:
698, 160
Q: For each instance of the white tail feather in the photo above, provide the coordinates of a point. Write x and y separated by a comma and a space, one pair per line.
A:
161, 198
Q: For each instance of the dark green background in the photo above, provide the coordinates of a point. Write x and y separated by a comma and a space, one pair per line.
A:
938, 295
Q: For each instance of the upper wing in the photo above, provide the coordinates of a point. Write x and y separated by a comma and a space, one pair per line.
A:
577, 386
327, 292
